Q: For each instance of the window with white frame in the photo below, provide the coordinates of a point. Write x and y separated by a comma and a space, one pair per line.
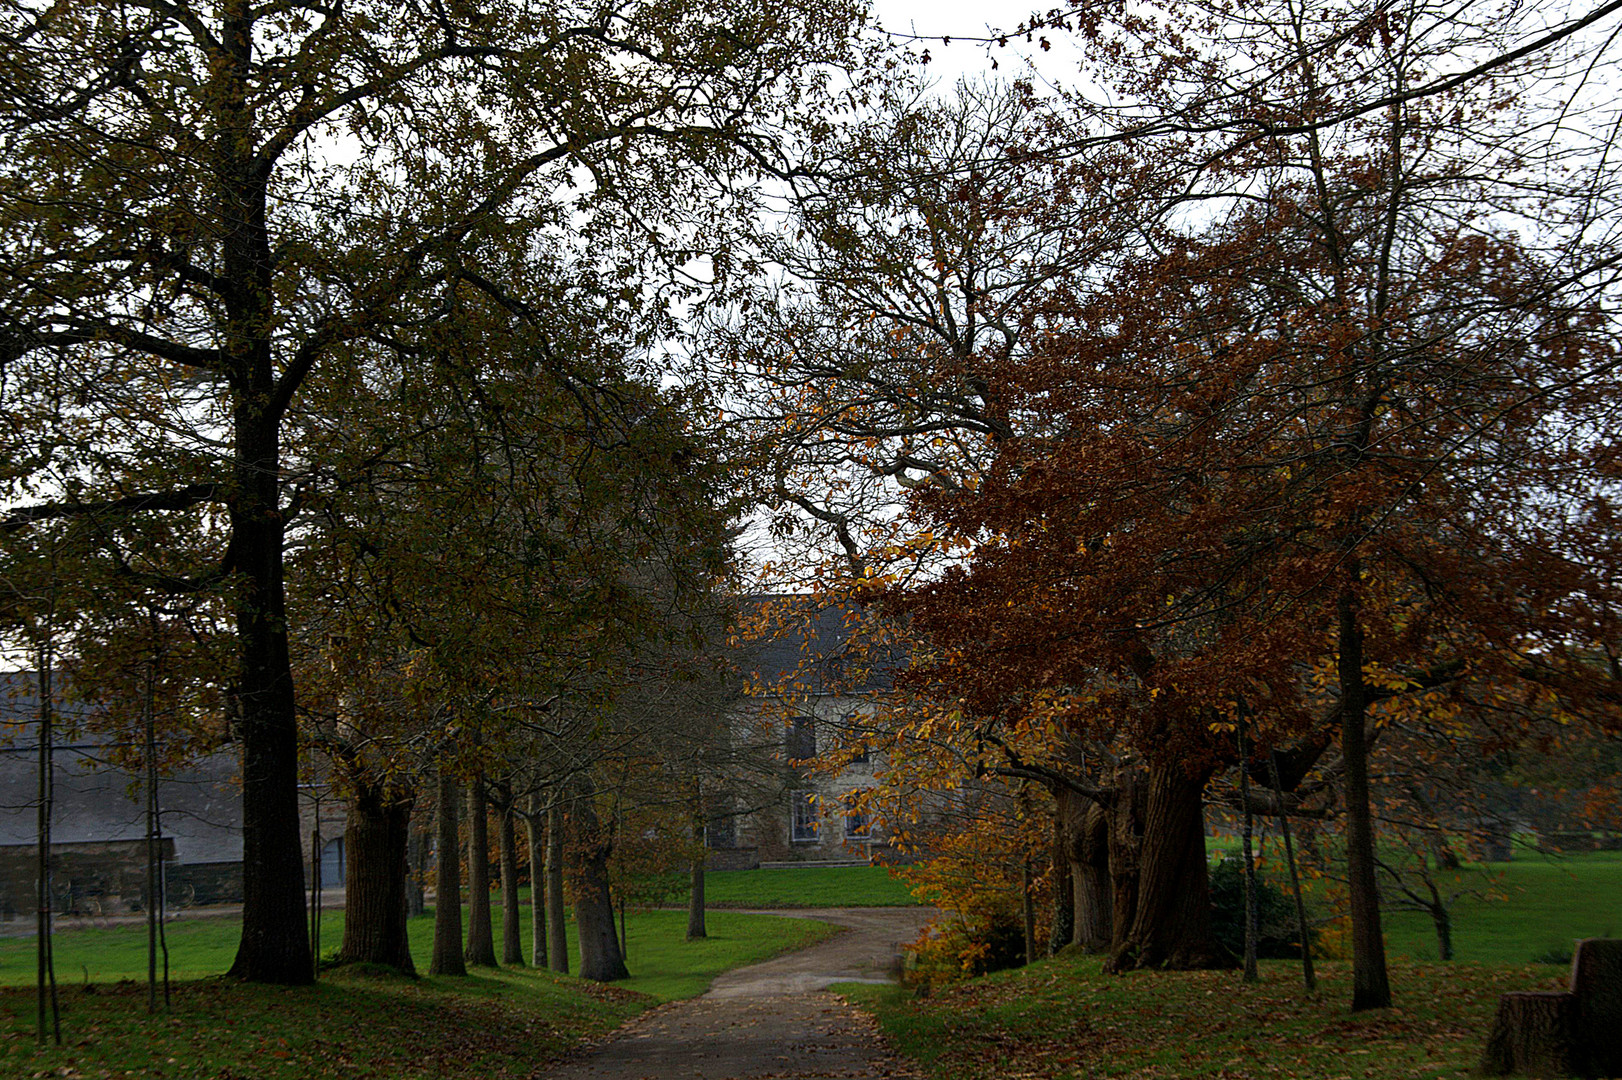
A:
803, 817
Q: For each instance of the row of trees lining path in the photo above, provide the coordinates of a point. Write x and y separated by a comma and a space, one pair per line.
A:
1279, 388
222, 219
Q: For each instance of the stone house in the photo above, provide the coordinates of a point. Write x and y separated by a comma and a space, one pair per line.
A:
797, 692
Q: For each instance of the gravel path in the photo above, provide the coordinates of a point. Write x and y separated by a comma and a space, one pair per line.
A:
771, 1021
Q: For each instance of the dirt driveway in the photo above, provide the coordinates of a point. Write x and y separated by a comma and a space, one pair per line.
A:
772, 1020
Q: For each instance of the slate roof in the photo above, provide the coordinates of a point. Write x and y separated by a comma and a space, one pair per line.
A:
814, 645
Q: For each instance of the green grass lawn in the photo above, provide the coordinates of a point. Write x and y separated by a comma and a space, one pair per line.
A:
1062, 1019
663, 963
823, 886
495, 1023
1547, 904
1505, 913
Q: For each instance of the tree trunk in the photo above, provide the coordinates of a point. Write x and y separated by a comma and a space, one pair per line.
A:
600, 956
1596, 981
556, 931
535, 830
512, 946
481, 944
1087, 836
1095, 895
1063, 929
696, 930
447, 958
375, 838
1534, 1033
1441, 920
1125, 841
43, 941
1171, 921
1303, 928
275, 945
1252, 927
1027, 911
416, 864
1444, 933
1370, 987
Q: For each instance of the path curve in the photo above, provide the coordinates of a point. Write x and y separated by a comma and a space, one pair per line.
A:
769, 1021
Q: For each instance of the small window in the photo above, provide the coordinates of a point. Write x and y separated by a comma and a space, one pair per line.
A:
802, 739
803, 817
721, 832
858, 826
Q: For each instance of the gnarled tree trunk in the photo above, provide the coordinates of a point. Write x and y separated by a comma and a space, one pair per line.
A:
1171, 920
1125, 843
1090, 875
1062, 930
376, 834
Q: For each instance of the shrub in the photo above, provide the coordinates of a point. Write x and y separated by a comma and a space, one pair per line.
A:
1278, 937
956, 949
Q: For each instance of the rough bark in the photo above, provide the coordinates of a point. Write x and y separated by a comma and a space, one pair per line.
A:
1087, 835
557, 939
1125, 840
1095, 910
1534, 1034
600, 956
481, 944
1171, 920
376, 835
1370, 987
275, 945
447, 958
512, 946
416, 866
1596, 979
696, 930
1063, 927
535, 831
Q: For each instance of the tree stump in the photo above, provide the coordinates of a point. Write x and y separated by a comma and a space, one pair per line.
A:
1534, 1033
1596, 982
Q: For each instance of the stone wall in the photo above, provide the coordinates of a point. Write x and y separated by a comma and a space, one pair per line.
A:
89, 878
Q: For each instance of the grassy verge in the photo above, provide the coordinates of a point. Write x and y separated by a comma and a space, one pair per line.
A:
830, 886
354, 1024
1064, 1020
662, 962
492, 1025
